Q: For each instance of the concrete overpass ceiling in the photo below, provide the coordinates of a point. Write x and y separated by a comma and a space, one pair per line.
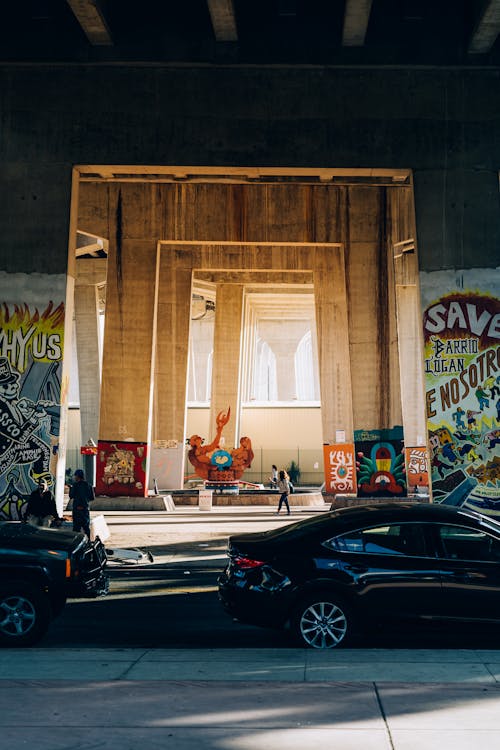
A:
234, 32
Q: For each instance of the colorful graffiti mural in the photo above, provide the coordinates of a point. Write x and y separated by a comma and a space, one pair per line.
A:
380, 463
31, 349
340, 468
462, 372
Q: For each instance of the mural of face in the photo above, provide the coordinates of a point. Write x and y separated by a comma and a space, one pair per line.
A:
9, 380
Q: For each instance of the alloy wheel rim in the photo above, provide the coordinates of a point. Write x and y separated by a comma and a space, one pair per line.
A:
323, 625
17, 616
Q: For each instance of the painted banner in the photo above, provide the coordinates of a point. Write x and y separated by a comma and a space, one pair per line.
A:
31, 350
380, 463
121, 469
462, 372
340, 474
417, 467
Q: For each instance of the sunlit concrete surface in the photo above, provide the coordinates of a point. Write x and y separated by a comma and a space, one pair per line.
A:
98, 711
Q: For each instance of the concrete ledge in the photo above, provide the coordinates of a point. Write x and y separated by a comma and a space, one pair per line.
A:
155, 502
257, 498
348, 501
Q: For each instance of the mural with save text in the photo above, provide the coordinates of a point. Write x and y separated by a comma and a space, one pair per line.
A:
462, 376
31, 350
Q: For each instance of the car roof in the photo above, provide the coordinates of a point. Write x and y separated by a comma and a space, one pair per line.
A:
407, 511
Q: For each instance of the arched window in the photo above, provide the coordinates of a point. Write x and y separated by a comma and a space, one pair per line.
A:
305, 379
265, 384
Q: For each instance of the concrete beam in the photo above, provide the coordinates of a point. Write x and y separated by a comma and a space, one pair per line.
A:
487, 29
357, 15
92, 21
223, 20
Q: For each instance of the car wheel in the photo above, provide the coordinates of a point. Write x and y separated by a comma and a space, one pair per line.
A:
322, 621
24, 614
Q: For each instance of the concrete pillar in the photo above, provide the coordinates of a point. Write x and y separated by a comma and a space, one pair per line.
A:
373, 345
128, 341
90, 273
333, 343
226, 359
174, 282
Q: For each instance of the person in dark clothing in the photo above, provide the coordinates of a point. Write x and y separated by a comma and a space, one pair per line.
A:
82, 495
41, 507
284, 488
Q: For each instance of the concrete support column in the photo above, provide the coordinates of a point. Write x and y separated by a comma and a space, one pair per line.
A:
89, 274
171, 368
333, 343
89, 380
226, 359
285, 369
409, 316
373, 344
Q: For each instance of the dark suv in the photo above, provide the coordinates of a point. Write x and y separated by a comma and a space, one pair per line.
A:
39, 570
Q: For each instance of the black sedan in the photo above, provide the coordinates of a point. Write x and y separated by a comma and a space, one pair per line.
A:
330, 576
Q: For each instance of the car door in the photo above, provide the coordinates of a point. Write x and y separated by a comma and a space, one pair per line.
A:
391, 569
470, 571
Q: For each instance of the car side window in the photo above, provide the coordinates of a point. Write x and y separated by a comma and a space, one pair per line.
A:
393, 539
462, 543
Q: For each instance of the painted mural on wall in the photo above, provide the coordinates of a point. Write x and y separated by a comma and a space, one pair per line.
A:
462, 372
121, 469
380, 463
31, 350
340, 468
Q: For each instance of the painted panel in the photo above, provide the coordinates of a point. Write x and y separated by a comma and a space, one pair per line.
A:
462, 374
340, 468
417, 467
121, 469
31, 351
380, 463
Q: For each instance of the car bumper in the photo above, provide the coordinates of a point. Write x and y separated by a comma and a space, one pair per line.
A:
255, 607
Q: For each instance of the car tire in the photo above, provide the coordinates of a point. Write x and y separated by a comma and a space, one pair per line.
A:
24, 614
322, 620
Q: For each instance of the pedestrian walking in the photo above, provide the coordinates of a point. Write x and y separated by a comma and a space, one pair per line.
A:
82, 495
284, 488
41, 507
274, 477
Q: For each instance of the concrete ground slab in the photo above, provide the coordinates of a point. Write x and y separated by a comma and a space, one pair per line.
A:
434, 707
117, 738
229, 670
473, 739
408, 672
256, 706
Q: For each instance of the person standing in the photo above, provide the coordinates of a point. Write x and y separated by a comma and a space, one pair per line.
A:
284, 488
41, 507
82, 495
274, 477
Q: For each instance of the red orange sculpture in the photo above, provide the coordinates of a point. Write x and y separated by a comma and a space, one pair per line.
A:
215, 463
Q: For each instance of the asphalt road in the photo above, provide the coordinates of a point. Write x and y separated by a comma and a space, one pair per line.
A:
176, 606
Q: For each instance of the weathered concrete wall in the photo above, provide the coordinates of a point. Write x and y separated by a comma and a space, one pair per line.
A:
441, 123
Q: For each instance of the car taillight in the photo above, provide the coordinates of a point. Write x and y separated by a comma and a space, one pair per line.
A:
246, 563
68, 568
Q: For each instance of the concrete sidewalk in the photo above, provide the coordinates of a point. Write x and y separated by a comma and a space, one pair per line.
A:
464, 667
260, 700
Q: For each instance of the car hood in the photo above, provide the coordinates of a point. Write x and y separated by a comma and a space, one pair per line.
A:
14, 534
